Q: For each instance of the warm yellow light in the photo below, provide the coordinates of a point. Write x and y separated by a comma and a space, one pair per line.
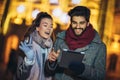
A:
18, 21
5, 28
115, 45
11, 43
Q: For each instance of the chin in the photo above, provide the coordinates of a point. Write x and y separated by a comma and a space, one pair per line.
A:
47, 37
78, 34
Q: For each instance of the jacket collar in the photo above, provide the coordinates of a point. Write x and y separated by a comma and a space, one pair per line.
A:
96, 39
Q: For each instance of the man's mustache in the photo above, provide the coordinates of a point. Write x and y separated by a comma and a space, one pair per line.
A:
79, 28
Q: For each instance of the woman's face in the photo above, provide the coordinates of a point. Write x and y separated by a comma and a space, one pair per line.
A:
45, 28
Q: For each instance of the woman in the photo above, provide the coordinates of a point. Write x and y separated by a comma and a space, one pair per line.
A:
36, 46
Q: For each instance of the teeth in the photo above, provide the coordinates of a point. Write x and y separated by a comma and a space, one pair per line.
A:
47, 33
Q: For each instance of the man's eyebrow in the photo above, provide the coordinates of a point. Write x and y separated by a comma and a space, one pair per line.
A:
73, 21
82, 21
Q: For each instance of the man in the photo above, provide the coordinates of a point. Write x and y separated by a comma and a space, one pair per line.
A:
79, 37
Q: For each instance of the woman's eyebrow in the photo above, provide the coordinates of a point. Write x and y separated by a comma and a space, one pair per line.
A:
44, 23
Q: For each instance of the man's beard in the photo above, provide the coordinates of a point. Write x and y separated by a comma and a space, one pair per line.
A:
80, 29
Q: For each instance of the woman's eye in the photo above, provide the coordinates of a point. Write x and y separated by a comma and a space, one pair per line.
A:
51, 26
45, 25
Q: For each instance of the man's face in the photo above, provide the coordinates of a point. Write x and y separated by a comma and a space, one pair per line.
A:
79, 24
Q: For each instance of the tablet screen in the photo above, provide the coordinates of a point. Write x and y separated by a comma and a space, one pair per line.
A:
69, 57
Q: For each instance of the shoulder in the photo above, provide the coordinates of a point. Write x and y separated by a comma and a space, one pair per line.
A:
97, 38
98, 41
61, 34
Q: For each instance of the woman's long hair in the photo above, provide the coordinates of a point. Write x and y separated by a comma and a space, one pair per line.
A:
36, 22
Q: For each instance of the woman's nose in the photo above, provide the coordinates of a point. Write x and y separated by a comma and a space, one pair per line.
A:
49, 27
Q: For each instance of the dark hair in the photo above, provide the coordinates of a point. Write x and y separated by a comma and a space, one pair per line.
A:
36, 22
80, 11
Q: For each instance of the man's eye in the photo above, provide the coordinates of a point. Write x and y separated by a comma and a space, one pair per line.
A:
82, 22
74, 23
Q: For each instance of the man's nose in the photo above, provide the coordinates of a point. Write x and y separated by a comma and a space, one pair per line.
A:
78, 26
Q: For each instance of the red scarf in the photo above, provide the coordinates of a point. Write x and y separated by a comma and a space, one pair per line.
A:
84, 39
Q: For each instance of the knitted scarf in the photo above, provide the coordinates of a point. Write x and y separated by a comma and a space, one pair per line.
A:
73, 41
37, 71
44, 43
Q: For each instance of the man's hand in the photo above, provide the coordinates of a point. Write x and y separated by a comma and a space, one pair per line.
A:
77, 67
26, 47
53, 55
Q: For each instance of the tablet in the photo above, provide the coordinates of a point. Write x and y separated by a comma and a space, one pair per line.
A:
69, 57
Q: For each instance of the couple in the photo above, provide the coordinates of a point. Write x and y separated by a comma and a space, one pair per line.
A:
40, 61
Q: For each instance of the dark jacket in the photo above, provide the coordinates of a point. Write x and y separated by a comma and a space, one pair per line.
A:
94, 60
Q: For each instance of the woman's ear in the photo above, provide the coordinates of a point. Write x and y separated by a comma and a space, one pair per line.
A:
88, 24
37, 29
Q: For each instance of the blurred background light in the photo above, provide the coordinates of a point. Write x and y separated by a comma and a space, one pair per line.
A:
75, 1
34, 13
53, 1
20, 8
64, 18
57, 12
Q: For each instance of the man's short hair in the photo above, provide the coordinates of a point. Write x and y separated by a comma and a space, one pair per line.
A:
80, 11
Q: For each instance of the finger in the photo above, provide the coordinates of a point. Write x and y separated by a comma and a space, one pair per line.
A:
27, 44
52, 57
53, 53
30, 41
58, 51
26, 40
53, 48
21, 46
52, 60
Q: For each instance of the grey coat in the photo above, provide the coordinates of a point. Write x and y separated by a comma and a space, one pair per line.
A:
94, 60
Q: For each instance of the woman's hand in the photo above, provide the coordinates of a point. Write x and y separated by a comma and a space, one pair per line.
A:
53, 55
26, 47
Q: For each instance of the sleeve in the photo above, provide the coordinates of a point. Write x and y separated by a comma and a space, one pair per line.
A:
98, 70
50, 68
23, 68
